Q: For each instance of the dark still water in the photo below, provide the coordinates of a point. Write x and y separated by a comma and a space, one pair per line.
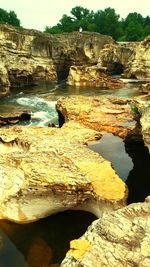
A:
131, 161
42, 243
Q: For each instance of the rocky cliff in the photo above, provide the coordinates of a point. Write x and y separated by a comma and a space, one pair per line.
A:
28, 56
132, 60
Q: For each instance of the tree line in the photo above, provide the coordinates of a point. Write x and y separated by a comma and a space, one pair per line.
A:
9, 18
134, 27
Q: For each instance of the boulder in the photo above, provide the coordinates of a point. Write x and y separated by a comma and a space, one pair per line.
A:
13, 118
119, 239
47, 170
101, 113
92, 76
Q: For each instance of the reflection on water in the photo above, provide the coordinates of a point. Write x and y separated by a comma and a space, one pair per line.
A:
112, 148
138, 180
131, 161
41, 243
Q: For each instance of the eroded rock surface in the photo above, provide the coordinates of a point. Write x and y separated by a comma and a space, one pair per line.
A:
101, 113
118, 239
48, 170
132, 60
92, 76
14, 118
29, 56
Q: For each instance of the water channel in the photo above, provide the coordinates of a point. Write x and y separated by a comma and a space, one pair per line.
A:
45, 243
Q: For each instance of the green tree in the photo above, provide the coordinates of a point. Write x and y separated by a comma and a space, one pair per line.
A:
9, 18
134, 27
12, 19
107, 22
79, 17
134, 31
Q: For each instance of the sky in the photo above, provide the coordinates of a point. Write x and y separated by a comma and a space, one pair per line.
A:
36, 14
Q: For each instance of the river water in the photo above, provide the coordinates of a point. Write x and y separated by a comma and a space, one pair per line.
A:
45, 243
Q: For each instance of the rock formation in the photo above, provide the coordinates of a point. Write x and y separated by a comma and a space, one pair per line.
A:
132, 60
144, 88
118, 239
92, 76
14, 118
101, 113
28, 56
4, 81
48, 170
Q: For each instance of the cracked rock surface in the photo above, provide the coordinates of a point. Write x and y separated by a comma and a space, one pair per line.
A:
119, 239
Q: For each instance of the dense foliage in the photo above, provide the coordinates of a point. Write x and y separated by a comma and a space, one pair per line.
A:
133, 28
9, 18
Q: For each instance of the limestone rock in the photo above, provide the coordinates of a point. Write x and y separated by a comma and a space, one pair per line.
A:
92, 76
145, 123
132, 60
101, 113
118, 239
31, 56
144, 88
4, 81
142, 105
48, 170
140, 67
116, 58
14, 118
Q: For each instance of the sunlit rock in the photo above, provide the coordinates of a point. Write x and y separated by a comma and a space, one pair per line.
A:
48, 170
120, 238
92, 76
4, 81
132, 60
30, 56
101, 113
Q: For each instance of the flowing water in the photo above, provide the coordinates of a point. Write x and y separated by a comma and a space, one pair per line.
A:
44, 243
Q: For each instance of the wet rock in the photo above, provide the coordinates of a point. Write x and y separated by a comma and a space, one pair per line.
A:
14, 118
92, 76
101, 113
120, 238
48, 170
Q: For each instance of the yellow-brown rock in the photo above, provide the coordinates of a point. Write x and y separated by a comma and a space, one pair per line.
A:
119, 239
92, 76
101, 113
48, 170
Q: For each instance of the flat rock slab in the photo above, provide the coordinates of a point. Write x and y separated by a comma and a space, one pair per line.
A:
119, 239
48, 170
14, 118
101, 113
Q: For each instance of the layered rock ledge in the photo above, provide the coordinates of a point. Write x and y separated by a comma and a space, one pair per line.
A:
101, 113
48, 170
119, 239
29, 56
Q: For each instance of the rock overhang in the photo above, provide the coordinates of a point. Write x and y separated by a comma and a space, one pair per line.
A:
57, 172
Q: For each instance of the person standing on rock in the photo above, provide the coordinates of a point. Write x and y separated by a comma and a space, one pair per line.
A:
80, 30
